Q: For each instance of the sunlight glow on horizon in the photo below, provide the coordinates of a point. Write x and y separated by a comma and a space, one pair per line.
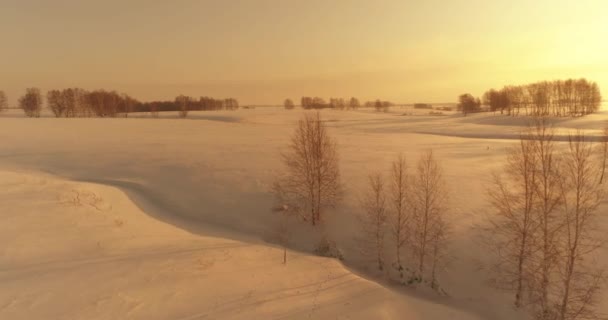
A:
263, 51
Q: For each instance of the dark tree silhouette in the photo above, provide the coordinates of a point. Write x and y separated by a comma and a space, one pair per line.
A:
3, 101
31, 102
288, 104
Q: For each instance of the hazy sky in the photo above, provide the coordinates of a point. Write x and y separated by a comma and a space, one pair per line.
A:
263, 51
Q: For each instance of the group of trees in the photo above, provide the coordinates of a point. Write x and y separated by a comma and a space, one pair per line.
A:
183, 104
76, 102
379, 105
320, 103
336, 103
468, 104
556, 98
412, 208
544, 230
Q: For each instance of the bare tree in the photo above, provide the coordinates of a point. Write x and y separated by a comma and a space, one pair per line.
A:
3, 101
428, 200
56, 102
312, 181
549, 198
581, 194
439, 237
70, 100
374, 216
378, 105
512, 228
399, 205
468, 104
183, 103
288, 104
31, 102
354, 103
127, 104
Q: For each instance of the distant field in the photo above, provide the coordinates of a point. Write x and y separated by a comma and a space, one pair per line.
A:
146, 215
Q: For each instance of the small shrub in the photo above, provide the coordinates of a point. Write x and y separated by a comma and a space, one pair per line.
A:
327, 248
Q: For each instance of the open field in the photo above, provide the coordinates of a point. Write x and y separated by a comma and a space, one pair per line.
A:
169, 218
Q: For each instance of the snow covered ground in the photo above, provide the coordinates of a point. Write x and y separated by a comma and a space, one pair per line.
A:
170, 218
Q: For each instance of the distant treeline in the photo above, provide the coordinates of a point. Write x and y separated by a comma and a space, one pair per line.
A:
183, 104
561, 98
76, 102
337, 103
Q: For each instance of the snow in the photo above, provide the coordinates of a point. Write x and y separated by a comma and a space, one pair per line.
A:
169, 218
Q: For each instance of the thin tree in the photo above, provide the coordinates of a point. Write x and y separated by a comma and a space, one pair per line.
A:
428, 201
512, 229
581, 194
282, 224
127, 104
439, 238
312, 180
374, 216
549, 197
399, 192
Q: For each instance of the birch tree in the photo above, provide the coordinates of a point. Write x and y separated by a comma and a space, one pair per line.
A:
399, 191
549, 198
311, 183
579, 281
374, 216
428, 200
513, 225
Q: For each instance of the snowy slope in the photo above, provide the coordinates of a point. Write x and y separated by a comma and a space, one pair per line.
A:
84, 251
206, 180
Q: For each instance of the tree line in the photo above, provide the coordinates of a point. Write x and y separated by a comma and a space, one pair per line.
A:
337, 103
560, 98
77, 102
183, 104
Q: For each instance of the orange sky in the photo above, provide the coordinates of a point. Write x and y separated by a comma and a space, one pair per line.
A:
263, 51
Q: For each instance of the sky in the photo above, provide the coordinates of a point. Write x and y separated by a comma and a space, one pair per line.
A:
263, 51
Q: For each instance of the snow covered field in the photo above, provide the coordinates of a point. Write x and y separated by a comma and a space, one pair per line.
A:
170, 218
